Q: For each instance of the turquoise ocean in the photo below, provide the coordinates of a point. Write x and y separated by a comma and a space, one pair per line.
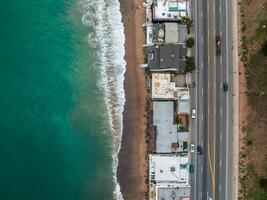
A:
61, 99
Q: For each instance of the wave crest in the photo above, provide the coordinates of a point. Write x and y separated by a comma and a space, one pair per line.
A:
107, 36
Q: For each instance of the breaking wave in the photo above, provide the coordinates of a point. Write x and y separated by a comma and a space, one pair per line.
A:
103, 18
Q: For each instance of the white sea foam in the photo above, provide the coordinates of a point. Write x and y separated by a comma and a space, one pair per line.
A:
103, 17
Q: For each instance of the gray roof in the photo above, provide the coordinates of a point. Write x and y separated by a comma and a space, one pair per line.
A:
183, 107
166, 129
182, 33
171, 32
169, 57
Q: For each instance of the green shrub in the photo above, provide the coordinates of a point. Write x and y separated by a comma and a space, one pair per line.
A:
190, 42
190, 64
264, 48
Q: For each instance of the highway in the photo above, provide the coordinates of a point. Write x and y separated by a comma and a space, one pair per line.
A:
213, 127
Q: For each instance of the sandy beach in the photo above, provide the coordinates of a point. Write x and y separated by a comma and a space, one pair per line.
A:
132, 158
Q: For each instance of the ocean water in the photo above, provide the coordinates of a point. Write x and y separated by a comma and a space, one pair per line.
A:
61, 99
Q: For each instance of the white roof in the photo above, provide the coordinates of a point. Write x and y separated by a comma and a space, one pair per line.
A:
169, 168
170, 9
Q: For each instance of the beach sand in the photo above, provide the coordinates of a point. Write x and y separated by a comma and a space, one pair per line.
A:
132, 157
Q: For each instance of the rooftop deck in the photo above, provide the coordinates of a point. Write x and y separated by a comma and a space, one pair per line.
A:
169, 10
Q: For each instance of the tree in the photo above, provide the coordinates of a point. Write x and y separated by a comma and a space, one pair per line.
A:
264, 48
190, 42
188, 22
190, 64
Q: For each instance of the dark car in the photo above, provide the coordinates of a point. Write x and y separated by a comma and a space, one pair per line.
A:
225, 87
218, 45
199, 150
191, 169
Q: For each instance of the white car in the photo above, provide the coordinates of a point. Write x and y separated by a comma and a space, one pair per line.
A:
193, 113
192, 148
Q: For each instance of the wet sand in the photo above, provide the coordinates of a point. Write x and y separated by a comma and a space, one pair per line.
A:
132, 157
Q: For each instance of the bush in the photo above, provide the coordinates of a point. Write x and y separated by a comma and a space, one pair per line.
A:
190, 64
190, 42
263, 183
188, 22
264, 48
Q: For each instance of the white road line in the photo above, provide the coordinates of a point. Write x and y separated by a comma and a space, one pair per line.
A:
202, 65
221, 111
202, 117
202, 143
202, 91
196, 124
227, 104
220, 188
221, 137
220, 9
201, 169
220, 163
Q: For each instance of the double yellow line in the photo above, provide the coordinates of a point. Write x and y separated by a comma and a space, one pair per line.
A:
212, 167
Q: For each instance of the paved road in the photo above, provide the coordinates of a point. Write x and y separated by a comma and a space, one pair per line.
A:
214, 124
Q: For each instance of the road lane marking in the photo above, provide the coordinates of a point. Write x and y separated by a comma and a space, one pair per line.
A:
221, 111
202, 65
201, 169
220, 9
208, 71
202, 39
215, 114
220, 163
220, 187
221, 137
227, 107
202, 117
202, 91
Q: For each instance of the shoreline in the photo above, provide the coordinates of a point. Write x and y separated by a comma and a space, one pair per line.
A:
132, 165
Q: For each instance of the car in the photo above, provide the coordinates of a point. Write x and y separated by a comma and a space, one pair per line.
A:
199, 150
193, 113
225, 87
191, 169
192, 148
218, 44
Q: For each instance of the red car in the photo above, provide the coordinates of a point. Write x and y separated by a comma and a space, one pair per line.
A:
218, 45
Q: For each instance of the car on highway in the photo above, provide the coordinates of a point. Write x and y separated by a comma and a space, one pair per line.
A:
225, 87
192, 148
193, 113
191, 169
199, 150
218, 44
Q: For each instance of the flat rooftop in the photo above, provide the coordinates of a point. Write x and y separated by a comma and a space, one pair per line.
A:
169, 168
183, 107
168, 57
163, 88
166, 129
168, 138
171, 30
173, 193
169, 10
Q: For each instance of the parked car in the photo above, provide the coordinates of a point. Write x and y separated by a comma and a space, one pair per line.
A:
199, 150
218, 44
192, 148
225, 87
193, 113
191, 169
